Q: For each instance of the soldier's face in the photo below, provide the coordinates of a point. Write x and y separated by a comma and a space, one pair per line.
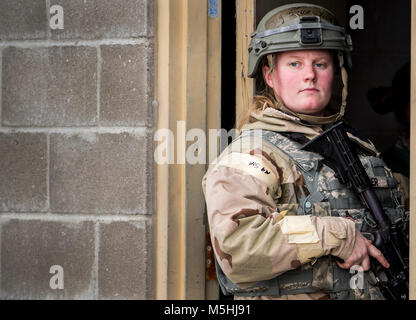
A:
303, 80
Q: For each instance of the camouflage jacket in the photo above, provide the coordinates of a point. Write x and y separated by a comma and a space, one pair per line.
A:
253, 192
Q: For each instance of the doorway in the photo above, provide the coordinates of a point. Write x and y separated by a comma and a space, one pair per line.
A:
381, 47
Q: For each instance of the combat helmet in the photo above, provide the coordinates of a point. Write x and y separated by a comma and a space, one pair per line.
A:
301, 26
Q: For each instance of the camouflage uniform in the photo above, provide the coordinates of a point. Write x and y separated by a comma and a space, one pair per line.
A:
278, 216
268, 239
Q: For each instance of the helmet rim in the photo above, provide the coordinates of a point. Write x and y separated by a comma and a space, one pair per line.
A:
295, 22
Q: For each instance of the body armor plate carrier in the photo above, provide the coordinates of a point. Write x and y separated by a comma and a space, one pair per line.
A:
326, 197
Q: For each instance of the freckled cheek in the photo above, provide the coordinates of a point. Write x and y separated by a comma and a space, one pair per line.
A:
326, 84
288, 87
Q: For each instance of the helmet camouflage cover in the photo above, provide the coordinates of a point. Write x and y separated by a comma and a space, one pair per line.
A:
298, 26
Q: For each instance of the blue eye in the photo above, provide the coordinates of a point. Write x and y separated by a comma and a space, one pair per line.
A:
321, 65
294, 64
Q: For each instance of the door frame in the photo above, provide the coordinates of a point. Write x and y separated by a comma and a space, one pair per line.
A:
187, 39
187, 89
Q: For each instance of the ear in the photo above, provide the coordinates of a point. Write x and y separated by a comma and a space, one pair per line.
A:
267, 76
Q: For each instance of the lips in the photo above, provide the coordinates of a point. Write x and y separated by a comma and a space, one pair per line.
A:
309, 90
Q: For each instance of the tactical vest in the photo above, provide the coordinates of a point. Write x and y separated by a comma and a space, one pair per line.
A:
331, 198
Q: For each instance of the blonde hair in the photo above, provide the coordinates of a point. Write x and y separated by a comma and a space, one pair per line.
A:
265, 97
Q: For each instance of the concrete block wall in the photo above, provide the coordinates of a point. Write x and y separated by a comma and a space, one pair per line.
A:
76, 158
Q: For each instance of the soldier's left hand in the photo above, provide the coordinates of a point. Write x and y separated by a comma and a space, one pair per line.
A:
363, 249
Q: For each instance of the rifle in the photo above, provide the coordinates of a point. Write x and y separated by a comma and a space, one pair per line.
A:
336, 148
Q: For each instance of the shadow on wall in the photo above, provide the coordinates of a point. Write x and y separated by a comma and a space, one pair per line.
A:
396, 99
380, 49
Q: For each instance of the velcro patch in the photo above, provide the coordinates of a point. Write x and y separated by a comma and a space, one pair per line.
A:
253, 166
299, 229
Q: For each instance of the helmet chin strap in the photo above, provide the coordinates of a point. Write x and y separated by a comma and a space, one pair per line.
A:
332, 118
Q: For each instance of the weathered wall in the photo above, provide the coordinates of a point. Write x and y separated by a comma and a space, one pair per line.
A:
76, 127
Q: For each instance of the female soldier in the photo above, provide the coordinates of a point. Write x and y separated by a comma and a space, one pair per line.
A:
280, 221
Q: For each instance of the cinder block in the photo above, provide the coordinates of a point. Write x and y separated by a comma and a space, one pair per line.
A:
125, 85
98, 173
98, 19
30, 248
23, 172
54, 86
23, 19
124, 270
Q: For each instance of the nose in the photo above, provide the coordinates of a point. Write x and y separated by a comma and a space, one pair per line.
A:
309, 73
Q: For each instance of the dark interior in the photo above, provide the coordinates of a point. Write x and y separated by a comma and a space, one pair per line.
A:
380, 49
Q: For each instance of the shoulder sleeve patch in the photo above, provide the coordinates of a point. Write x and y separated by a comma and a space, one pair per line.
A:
251, 165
